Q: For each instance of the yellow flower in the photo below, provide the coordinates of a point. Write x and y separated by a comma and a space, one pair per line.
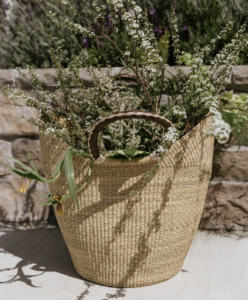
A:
57, 197
60, 209
24, 185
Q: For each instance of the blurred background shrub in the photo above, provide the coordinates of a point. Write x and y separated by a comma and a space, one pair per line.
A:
27, 34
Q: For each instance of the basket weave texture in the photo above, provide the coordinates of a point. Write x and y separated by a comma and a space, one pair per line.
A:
122, 241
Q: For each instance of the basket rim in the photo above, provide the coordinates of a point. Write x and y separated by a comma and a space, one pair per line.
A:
146, 159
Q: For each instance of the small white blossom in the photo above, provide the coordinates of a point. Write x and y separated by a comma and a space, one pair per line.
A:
160, 149
177, 111
220, 130
171, 135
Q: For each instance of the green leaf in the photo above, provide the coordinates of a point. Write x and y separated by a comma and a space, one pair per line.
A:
187, 56
76, 152
26, 168
181, 59
31, 162
89, 174
70, 176
128, 153
17, 171
30, 174
44, 195
58, 168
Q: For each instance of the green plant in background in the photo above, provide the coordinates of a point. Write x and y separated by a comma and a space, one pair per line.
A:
191, 98
27, 34
236, 114
200, 20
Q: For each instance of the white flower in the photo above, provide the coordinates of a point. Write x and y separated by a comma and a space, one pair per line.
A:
177, 111
171, 135
127, 53
137, 9
216, 114
49, 130
65, 2
220, 130
160, 149
119, 5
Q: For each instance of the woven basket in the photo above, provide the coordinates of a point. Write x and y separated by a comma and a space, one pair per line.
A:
119, 241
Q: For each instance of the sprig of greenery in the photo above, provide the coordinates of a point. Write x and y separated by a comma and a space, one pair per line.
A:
189, 98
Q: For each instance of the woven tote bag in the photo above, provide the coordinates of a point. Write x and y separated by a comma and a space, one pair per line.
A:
122, 241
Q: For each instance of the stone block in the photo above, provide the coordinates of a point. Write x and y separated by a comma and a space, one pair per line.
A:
47, 81
5, 150
7, 77
226, 207
20, 149
18, 207
240, 75
11, 121
230, 165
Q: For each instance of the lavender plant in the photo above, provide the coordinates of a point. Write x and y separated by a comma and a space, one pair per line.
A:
189, 98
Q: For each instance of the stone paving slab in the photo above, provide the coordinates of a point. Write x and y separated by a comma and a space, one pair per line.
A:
35, 264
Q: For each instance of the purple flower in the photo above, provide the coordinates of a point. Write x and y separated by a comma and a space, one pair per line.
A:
152, 11
187, 31
86, 43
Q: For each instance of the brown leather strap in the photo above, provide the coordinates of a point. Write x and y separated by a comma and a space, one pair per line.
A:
93, 137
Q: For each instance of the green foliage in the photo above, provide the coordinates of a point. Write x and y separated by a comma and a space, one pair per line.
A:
66, 162
27, 34
128, 153
72, 116
236, 114
200, 20
31, 173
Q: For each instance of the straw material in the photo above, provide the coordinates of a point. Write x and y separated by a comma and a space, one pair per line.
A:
119, 241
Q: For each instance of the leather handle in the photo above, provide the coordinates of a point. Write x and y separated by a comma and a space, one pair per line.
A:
93, 137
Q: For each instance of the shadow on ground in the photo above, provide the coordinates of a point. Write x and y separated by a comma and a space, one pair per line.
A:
44, 250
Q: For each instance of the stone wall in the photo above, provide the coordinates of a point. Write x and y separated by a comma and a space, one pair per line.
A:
226, 206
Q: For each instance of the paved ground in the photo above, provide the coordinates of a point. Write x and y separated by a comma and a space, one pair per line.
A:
35, 264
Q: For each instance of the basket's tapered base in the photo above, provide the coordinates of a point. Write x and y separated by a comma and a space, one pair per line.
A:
147, 282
